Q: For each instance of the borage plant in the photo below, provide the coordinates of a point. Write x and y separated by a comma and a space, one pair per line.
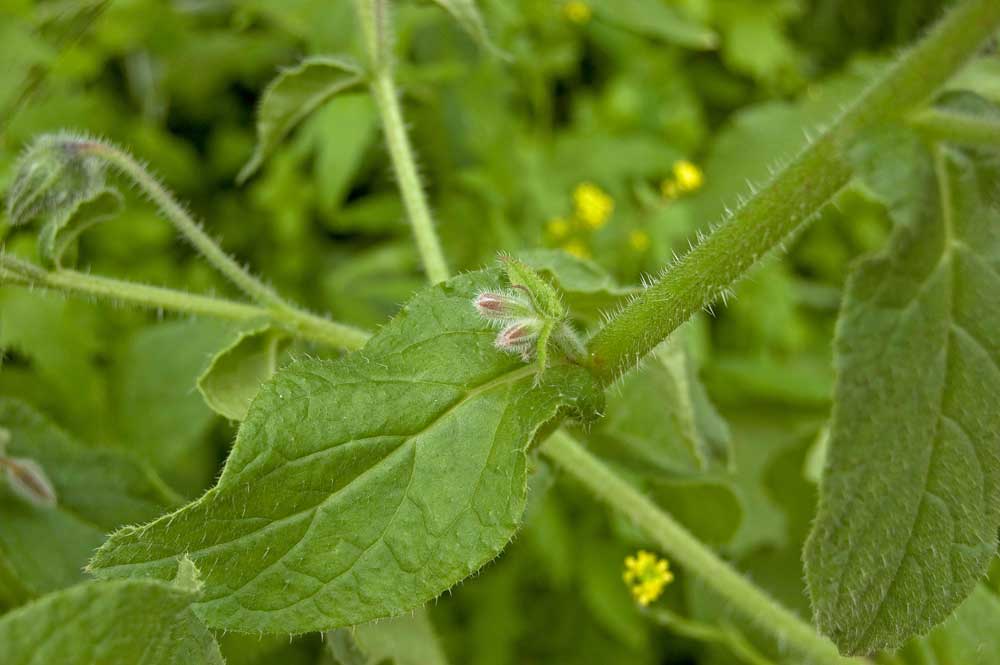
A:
361, 487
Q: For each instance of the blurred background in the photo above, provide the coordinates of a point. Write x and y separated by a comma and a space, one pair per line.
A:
614, 130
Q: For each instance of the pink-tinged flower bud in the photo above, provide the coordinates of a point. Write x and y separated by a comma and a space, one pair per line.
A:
27, 479
503, 306
519, 337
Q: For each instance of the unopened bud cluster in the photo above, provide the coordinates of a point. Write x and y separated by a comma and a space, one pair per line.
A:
515, 314
530, 316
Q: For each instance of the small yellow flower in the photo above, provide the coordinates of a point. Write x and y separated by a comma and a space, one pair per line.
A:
577, 249
577, 12
592, 205
558, 227
646, 575
639, 240
688, 176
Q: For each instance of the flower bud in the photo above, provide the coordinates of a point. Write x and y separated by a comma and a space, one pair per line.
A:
54, 174
519, 337
27, 479
503, 305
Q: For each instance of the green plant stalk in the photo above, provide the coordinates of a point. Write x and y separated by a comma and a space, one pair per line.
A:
696, 630
957, 127
180, 218
688, 551
791, 198
303, 324
372, 16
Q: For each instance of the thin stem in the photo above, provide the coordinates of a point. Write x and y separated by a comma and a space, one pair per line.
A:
688, 551
791, 198
180, 218
372, 16
723, 635
960, 128
298, 323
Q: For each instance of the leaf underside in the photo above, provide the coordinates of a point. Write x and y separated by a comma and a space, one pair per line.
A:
910, 502
362, 488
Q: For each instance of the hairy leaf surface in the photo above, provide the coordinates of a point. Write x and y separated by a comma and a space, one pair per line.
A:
118, 622
910, 501
363, 487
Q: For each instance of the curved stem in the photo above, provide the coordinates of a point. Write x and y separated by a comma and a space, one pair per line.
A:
296, 322
687, 550
180, 218
791, 198
372, 16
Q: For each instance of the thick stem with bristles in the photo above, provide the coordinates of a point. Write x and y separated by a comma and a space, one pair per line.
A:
792, 197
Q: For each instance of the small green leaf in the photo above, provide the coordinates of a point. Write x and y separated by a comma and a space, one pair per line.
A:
236, 373
362, 488
402, 640
119, 622
468, 16
292, 96
64, 226
98, 490
656, 19
910, 497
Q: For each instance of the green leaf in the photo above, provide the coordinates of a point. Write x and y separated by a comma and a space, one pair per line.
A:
119, 622
65, 225
910, 501
236, 373
292, 96
363, 487
98, 491
159, 414
468, 16
588, 288
970, 636
661, 415
658, 20
402, 640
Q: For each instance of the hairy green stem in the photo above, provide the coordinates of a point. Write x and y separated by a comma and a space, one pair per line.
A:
688, 551
302, 324
180, 218
791, 198
960, 128
372, 16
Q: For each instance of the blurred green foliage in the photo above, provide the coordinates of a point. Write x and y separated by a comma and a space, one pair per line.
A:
604, 92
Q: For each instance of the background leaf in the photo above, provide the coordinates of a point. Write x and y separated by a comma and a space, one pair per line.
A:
402, 640
120, 622
293, 96
910, 501
236, 373
43, 550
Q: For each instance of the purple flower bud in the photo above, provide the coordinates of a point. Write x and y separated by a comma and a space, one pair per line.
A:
27, 479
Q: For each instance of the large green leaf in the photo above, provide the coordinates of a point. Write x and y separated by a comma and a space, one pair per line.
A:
363, 487
292, 96
910, 501
42, 550
118, 622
